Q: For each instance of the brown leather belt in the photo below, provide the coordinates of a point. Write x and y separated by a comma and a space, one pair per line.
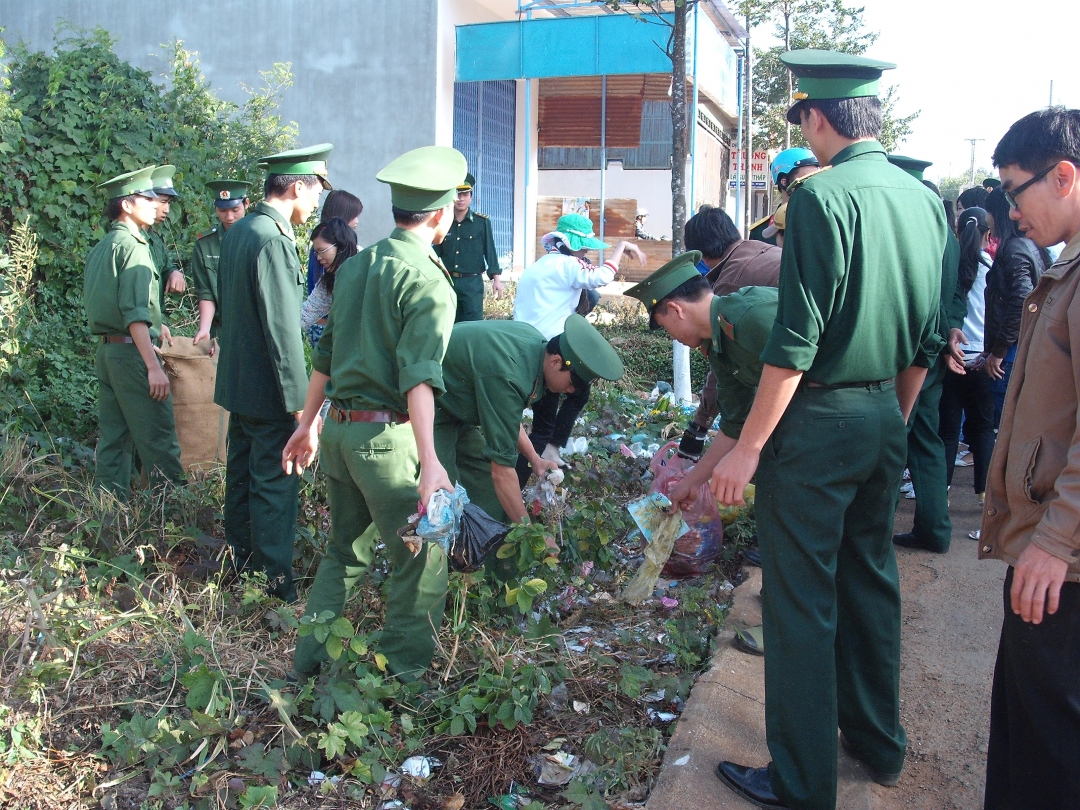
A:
456, 274
340, 415
116, 339
861, 384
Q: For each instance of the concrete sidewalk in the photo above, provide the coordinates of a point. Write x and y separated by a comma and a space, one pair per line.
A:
725, 719
951, 619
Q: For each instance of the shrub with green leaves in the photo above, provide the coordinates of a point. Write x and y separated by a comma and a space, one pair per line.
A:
73, 118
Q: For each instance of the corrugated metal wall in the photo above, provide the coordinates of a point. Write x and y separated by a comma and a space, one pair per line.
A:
653, 152
484, 124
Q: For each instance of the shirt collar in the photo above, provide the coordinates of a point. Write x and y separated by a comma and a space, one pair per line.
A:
274, 214
132, 229
1067, 258
859, 149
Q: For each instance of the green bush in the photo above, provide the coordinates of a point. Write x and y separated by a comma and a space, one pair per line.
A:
71, 119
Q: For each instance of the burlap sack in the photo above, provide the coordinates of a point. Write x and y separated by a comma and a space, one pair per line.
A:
201, 425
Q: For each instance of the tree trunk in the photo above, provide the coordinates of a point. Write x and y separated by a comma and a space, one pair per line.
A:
678, 129
790, 87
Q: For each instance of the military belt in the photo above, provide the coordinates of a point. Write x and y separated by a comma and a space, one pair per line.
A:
117, 339
340, 415
456, 274
867, 384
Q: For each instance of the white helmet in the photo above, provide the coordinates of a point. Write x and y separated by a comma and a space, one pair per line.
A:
642, 212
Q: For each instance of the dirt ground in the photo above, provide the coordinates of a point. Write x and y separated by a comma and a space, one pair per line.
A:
951, 622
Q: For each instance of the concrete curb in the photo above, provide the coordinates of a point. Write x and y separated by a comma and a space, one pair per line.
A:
724, 718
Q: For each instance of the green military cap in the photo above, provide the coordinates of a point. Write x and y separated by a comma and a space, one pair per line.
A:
912, 166
831, 74
661, 283
306, 160
470, 181
425, 179
163, 181
228, 193
139, 181
585, 352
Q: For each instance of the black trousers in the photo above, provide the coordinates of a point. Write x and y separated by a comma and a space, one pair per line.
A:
968, 399
1034, 757
552, 424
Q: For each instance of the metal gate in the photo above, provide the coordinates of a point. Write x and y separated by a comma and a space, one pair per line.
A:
484, 122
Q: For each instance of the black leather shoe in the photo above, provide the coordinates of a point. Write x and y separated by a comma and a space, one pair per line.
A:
909, 540
752, 556
751, 783
882, 778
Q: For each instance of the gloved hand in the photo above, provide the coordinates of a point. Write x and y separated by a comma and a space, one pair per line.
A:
551, 453
693, 442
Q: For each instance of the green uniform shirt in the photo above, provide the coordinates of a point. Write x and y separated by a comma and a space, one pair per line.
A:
469, 246
164, 262
741, 325
388, 326
860, 278
120, 286
204, 266
493, 370
261, 371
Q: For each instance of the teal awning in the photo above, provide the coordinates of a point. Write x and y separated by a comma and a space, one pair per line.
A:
574, 46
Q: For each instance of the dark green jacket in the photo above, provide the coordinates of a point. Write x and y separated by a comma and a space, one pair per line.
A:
120, 286
741, 324
261, 372
860, 277
164, 262
493, 370
388, 326
469, 246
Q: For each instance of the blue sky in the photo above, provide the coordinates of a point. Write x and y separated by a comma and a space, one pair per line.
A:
973, 68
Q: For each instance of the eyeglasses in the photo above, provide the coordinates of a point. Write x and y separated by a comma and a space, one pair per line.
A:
1010, 196
328, 247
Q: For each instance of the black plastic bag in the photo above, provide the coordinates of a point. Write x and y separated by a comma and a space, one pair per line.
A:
479, 534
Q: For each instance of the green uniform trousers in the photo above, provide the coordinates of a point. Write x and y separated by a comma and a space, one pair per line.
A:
827, 485
261, 501
927, 463
129, 419
371, 473
470, 297
460, 448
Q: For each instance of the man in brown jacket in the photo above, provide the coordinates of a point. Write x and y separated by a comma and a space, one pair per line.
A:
1032, 513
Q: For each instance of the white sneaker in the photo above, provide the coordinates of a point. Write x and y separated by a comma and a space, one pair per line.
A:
907, 488
964, 459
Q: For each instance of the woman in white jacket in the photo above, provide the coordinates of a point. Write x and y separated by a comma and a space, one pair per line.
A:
548, 292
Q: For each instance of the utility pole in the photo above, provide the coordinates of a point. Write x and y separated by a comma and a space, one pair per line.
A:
973, 141
1051, 104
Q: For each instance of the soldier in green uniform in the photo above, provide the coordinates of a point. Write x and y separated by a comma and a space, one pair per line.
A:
170, 277
230, 205
932, 529
262, 372
732, 331
468, 251
492, 371
379, 361
855, 331
120, 293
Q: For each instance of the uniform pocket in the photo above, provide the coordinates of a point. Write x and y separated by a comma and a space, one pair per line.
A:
1020, 471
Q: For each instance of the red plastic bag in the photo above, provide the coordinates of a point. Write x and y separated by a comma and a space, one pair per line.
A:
696, 549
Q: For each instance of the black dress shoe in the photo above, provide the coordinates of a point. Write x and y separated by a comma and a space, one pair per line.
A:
882, 778
752, 556
751, 783
909, 540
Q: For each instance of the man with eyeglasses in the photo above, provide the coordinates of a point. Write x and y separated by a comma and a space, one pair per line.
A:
468, 251
1031, 519
122, 301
